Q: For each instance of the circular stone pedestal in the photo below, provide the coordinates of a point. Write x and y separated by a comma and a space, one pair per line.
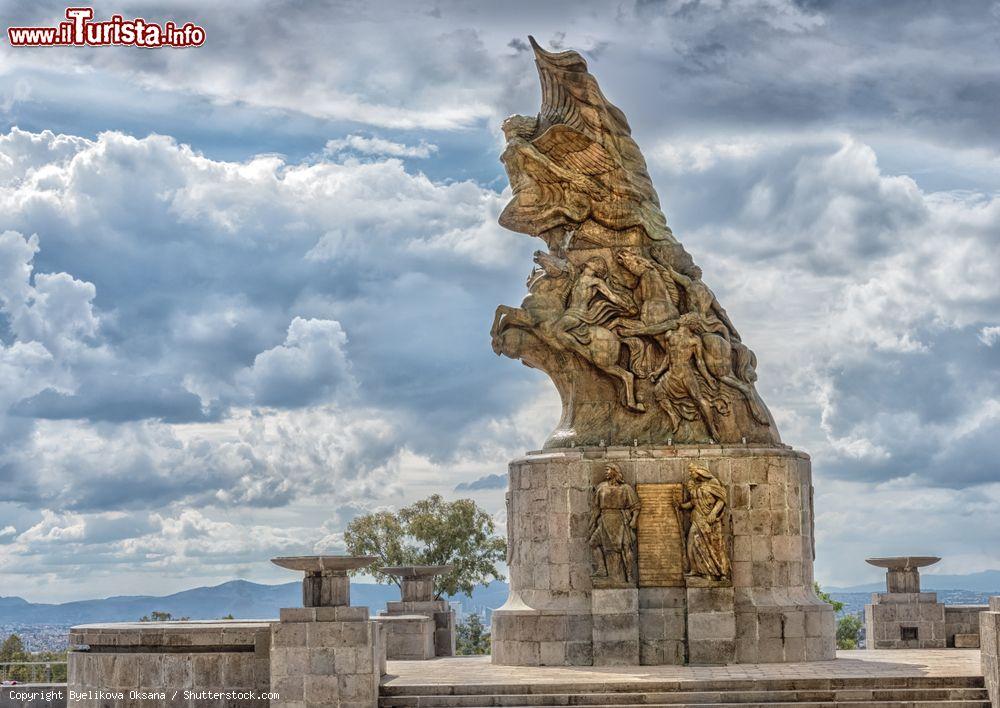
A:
768, 613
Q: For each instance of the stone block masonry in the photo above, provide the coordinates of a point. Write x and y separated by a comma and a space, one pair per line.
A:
169, 657
328, 658
989, 640
911, 620
408, 637
711, 625
962, 625
616, 626
550, 617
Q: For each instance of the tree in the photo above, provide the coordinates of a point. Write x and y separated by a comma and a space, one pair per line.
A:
825, 597
472, 637
12, 651
431, 532
848, 631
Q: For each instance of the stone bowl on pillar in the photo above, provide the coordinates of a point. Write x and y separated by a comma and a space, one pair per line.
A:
417, 581
418, 612
902, 573
326, 583
904, 617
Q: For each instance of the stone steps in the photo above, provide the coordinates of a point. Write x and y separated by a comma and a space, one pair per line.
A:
910, 692
824, 704
702, 700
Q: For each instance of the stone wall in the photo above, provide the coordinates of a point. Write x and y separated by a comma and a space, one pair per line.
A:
989, 636
408, 637
153, 657
548, 618
962, 621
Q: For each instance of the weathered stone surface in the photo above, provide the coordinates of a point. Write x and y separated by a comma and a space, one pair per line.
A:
320, 664
171, 656
962, 620
989, 647
408, 637
908, 618
966, 641
550, 567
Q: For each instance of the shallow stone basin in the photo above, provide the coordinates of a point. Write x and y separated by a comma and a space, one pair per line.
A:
320, 564
903, 562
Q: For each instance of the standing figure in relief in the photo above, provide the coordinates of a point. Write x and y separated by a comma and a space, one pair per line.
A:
678, 390
707, 555
614, 511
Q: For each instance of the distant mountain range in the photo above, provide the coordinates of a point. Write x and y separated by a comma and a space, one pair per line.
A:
988, 581
246, 600
241, 598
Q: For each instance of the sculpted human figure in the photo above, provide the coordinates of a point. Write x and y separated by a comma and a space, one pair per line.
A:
679, 384
707, 555
584, 327
614, 511
585, 308
702, 300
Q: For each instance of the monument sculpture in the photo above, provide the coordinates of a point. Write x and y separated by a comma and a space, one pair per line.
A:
663, 521
617, 313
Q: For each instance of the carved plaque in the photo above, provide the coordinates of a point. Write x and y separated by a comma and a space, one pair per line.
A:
660, 536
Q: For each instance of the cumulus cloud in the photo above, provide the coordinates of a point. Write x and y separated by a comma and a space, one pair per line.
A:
263, 332
254, 337
310, 366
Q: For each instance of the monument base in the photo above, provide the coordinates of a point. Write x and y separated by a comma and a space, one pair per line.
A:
767, 613
905, 620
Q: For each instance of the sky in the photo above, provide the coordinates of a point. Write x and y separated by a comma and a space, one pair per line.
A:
246, 288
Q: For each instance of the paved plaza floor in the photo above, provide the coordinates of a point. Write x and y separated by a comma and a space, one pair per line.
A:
478, 671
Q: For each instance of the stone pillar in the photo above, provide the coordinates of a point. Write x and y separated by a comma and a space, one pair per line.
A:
417, 589
326, 588
325, 657
327, 654
711, 626
616, 626
902, 580
989, 643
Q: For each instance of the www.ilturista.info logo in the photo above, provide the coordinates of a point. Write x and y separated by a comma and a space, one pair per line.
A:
81, 31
